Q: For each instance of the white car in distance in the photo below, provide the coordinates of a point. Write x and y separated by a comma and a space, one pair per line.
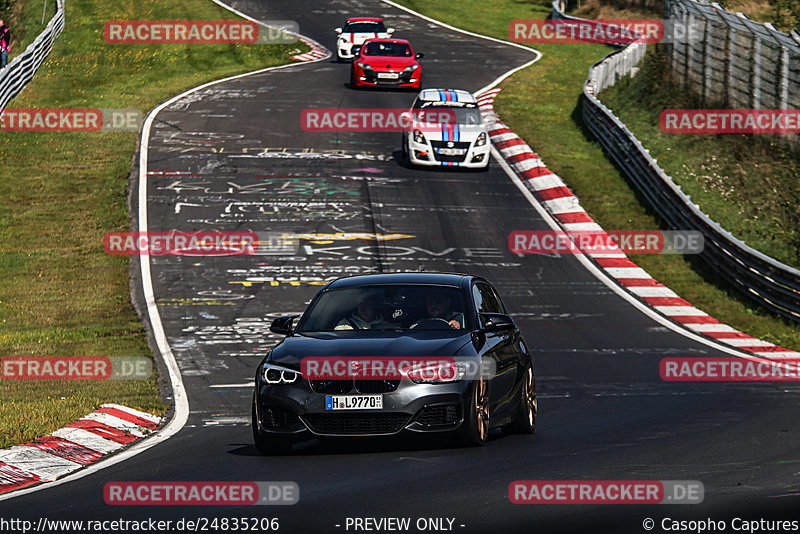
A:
355, 32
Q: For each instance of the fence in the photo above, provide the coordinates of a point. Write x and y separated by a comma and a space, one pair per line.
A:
768, 282
733, 61
21, 69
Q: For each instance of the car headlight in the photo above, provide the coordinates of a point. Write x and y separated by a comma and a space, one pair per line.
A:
419, 138
410, 69
481, 140
364, 66
441, 373
273, 374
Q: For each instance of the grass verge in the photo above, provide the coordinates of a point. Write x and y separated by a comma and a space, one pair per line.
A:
541, 104
746, 182
60, 294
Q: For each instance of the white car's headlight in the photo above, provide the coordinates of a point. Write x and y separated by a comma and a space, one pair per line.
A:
481, 140
274, 374
419, 138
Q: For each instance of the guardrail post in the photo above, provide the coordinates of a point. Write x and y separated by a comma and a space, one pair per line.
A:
784, 83
707, 62
731, 63
756, 78
687, 53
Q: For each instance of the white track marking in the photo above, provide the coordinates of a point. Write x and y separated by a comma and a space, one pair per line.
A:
143, 415
42, 464
87, 439
648, 291
115, 422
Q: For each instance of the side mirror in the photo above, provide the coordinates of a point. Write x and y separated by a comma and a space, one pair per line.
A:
419, 56
282, 325
338, 30
389, 30
495, 322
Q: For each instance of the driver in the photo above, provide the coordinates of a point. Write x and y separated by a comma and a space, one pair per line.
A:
365, 316
438, 305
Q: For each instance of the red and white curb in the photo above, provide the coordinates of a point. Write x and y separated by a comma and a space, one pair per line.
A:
68, 449
317, 51
554, 195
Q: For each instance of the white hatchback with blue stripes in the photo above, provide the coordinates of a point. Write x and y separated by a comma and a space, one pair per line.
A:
446, 130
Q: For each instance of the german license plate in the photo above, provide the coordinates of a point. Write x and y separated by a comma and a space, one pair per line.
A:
354, 402
451, 151
388, 75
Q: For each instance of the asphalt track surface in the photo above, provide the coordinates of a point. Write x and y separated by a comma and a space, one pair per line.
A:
604, 412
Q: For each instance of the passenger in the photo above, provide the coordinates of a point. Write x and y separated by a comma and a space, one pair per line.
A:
366, 316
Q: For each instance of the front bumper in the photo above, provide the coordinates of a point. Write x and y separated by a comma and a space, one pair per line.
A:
371, 78
295, 410
346, 50
475, 157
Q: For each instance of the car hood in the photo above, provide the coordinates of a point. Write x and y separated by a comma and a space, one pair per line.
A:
465, 133
292, 350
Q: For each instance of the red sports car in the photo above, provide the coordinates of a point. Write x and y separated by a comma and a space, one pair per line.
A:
386, 62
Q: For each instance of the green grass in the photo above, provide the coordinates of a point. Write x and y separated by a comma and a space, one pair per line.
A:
747, 183
60, 294
541, 104
26, 23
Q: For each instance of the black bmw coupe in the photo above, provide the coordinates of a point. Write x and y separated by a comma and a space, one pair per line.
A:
390, 353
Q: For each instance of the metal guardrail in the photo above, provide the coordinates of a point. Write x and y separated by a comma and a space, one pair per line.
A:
21, 69
763, 279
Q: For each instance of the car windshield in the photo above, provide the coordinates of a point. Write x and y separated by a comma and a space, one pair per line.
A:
437, 114
390, 307
364, 27
387, 49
